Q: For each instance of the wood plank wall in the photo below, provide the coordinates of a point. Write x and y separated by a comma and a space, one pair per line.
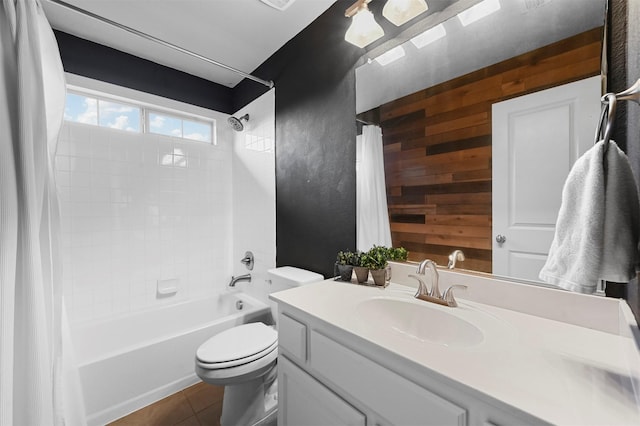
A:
437, 147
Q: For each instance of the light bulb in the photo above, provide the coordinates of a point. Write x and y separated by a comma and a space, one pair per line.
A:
364, 29
401, 11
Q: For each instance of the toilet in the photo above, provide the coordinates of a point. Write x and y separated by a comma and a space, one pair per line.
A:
243, 359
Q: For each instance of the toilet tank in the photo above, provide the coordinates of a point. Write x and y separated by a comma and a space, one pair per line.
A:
286, 277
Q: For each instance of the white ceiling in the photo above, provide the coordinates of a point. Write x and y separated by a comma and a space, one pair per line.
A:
238, 33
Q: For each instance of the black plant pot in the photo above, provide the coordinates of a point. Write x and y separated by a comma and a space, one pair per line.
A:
344, 271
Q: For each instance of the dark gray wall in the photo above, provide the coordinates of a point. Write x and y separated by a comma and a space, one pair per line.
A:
315, 142
88, 59
623, 71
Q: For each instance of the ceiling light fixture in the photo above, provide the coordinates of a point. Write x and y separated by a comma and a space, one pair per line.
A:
364, 29
429, 36
479, 11
401, 11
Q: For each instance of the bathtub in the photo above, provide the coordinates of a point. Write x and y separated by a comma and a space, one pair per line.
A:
133, 360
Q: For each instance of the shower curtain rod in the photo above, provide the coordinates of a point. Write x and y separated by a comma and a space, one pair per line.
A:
269, 83
359, 120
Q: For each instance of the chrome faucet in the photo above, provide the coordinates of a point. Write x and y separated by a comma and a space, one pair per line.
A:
457, 255
423, 290
234, 280
447, 296
434, 295
428, 263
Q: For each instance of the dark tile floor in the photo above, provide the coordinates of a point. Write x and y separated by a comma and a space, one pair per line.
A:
198, 405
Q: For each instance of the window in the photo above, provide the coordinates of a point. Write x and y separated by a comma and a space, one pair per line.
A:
165, 125
104, 112
171, 125
197, 131
118, 116
80, 108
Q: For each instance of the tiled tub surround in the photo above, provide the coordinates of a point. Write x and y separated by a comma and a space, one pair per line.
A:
547, 356
138, 208
254, 194
130, 361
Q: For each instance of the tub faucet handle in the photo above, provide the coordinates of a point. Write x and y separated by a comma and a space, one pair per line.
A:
248, 260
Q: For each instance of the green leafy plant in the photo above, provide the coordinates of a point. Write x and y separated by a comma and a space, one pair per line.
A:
399, 254
356, 260
376, 258
345, 257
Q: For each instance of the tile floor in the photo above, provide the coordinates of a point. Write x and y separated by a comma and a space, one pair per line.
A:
197, 405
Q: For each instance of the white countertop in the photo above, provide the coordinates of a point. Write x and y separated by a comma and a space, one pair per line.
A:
559, 372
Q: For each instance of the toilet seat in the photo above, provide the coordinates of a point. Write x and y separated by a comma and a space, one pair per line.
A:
237, 346
237, 362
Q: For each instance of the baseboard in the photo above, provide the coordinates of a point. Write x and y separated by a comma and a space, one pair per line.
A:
120, 410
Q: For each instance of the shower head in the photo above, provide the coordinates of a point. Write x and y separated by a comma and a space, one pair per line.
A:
236, 123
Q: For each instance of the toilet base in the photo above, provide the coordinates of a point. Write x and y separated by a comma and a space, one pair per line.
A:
251, 403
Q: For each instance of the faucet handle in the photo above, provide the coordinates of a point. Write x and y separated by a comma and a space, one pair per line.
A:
422, 287
248, 260
457, 255
447, 296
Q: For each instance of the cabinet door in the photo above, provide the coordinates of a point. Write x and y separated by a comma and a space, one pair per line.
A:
304, 401
397, 399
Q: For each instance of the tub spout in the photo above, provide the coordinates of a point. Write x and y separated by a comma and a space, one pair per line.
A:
234, 280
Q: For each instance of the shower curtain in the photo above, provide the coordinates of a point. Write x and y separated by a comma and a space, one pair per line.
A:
38, 382
371, 195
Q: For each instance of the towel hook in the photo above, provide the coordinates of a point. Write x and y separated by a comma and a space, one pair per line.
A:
631, 94
609, 113
609, 110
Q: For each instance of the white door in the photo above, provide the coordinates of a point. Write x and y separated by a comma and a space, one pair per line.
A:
536, 140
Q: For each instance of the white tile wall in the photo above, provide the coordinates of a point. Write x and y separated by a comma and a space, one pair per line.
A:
137, 208
254, 188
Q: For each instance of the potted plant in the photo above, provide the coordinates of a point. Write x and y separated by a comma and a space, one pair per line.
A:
376, 260
362, 272
344, 265
398, 254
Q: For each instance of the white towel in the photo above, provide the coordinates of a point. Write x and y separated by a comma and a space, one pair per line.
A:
598, 224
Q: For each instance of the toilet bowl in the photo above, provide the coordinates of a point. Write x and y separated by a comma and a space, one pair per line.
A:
243, 359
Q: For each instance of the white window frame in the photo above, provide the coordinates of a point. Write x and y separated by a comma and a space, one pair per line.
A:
106, 98
182, 117
147, 103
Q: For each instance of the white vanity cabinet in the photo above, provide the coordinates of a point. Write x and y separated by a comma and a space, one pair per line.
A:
327, 377
302, 400
363, 355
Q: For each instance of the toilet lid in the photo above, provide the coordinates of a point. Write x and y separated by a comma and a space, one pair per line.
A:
237, 343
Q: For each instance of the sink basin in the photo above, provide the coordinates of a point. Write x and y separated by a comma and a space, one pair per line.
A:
417, 321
